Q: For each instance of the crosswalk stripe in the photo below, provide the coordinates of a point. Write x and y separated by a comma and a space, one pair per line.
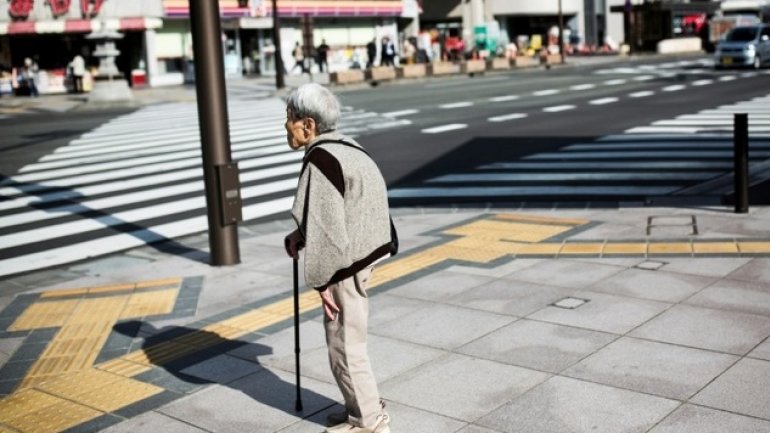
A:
558, 108
506, 117
663, 158
444, 128
142, 172
604, 101
642, 94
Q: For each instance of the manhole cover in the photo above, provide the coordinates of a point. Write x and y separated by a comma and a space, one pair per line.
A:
570, 303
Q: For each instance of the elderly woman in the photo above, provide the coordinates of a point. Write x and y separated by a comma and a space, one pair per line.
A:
341, 211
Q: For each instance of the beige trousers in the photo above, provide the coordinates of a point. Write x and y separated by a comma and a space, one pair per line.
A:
346, 340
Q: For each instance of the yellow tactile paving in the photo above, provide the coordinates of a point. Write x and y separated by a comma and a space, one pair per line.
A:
54, 418
67, 369
142, 304
669, 248
116, 395
542, 219
715, 247
44, 315
639, 248
754, 247
159, 283
123, 367
581, 248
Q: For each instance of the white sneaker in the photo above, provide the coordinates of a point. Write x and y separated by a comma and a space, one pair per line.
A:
336, 418
380, 427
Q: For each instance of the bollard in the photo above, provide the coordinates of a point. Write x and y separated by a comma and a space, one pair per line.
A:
741, 147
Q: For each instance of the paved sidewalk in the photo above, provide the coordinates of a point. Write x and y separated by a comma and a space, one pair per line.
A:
518, 320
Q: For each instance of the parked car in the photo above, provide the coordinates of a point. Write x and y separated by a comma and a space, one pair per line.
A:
744, 46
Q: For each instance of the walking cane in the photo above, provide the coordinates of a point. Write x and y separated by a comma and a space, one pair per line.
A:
298, 404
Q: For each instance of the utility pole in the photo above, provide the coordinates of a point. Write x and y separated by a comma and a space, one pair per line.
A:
279, 82
220, 173
561, 33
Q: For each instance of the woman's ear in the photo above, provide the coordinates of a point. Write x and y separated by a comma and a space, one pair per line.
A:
309, 126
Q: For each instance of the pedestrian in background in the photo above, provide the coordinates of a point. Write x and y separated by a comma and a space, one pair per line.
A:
323, 56
341, 210
29, 74
299, 58
371, 53
78, 65
388, 53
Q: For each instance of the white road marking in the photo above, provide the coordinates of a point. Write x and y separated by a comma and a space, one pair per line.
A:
728, 78
582, 86
504, 98
444, 128
546, 92
644, 78
702, 82
603, 101
615, 82
456, 105
558, 108
642, 94
506, 117
400, 113
674, 88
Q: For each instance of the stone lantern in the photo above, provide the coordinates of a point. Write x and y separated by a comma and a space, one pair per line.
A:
109, 84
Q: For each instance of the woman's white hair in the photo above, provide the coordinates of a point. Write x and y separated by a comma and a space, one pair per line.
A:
316, 102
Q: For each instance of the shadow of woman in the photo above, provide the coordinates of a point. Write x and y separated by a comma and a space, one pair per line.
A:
196, 346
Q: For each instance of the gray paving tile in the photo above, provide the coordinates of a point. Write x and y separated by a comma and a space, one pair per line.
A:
654, 368
261, 402
497, 271
460, 387
510, 297
610, 230
743, 389
313, 423
443, 326
9, 345
707, 266
757, 270
475, 429
568, 405
384, 308
762, 351
537, 345
275, 348
388, 357
753, 298
409, 419
221, 369
566, 273
695, 419
153, 422
705, 328
439, 285
655, 285
608, 313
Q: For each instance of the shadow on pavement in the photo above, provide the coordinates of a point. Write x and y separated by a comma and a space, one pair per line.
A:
270, 389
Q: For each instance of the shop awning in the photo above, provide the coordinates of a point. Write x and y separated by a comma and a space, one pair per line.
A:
227, 9
336, 8
294, 8
78, 26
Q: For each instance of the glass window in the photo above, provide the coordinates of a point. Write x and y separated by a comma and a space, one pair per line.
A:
742, 34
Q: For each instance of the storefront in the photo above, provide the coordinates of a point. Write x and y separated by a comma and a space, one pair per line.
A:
345, 25
53, 33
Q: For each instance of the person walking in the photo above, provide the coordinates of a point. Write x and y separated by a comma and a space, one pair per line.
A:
299, 58
29, 73
371, 53
78, 71
388, 53
323, 56
344, 227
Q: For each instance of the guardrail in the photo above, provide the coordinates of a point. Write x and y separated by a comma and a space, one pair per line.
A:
421, 70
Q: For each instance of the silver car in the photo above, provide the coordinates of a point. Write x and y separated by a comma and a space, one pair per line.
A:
744, 46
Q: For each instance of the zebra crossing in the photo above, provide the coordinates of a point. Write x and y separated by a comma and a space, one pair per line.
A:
137, 179
668, 157
693, 66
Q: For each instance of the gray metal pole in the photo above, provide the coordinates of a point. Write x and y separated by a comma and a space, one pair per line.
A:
561, 33
213, 121
741, 142
279, 81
